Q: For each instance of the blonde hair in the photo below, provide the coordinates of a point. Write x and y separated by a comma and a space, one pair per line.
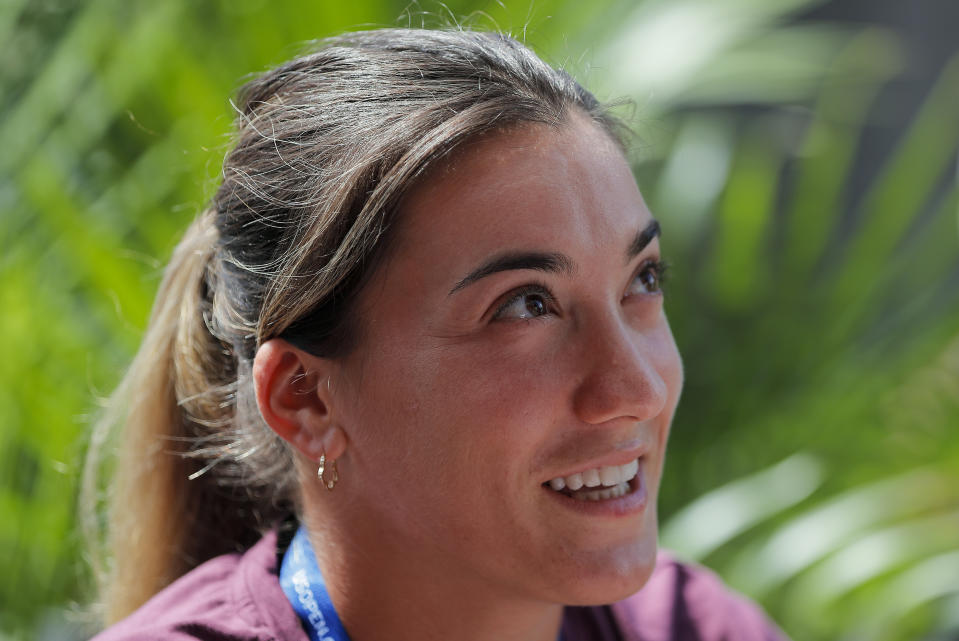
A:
327, 145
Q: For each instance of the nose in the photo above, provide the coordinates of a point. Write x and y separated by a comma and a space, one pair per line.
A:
622, 380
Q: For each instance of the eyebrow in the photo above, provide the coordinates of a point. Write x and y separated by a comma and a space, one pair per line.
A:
643, 238
549, 262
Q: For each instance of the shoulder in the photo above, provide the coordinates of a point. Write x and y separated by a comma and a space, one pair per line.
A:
683, 601
234, 597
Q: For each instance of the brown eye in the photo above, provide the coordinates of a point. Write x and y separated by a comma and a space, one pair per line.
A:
649, 278
535, 306
527, 303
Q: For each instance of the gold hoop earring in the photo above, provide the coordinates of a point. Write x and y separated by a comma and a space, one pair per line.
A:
321, 471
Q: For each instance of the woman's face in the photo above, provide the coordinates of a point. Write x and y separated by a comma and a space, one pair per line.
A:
515, 335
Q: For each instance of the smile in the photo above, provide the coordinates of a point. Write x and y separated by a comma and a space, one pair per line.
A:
597, 484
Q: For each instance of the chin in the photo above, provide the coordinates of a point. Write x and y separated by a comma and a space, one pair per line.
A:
617, 576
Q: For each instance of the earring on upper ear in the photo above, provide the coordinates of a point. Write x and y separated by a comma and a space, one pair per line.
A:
321, 471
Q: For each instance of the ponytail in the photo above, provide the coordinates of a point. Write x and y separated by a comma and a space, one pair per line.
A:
166, 513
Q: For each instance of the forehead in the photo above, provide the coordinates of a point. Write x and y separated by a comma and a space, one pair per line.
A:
533, 187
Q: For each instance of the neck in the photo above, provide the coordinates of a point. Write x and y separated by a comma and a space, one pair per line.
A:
380, 593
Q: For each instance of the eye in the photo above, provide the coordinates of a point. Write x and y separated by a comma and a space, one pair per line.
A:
649, 279
530, 301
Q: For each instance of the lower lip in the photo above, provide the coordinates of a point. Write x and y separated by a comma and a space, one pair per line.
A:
628, 504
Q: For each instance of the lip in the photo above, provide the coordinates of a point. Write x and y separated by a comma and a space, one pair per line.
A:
629, 504
616, 458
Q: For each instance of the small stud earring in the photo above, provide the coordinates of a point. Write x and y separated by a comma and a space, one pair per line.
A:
321, 471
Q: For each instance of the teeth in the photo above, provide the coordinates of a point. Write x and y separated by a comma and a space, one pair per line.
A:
591, 478
610, 476
601, 495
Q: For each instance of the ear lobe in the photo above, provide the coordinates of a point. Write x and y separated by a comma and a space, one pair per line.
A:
286, 381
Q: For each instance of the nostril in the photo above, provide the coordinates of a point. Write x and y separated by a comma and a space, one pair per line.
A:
614, 394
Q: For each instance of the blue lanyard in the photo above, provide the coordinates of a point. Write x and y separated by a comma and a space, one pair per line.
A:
303, 585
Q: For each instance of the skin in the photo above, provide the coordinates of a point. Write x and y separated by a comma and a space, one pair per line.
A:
456, 408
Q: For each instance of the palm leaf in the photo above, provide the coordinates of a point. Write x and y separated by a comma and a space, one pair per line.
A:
818, 325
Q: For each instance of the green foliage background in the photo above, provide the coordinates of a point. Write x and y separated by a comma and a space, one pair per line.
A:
815, 458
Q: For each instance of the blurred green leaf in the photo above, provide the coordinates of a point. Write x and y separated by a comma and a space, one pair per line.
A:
816, 303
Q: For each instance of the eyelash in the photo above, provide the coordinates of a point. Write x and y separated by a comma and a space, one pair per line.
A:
659, 267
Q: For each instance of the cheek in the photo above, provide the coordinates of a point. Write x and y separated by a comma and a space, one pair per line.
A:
454, 431
671, 364
479, 398
448, 412
668, 363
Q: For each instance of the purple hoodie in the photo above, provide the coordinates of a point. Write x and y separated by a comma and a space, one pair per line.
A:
238, 597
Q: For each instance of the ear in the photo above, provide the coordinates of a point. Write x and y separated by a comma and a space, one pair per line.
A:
295, 400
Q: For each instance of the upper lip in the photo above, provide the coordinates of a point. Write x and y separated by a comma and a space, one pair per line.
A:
621, 457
